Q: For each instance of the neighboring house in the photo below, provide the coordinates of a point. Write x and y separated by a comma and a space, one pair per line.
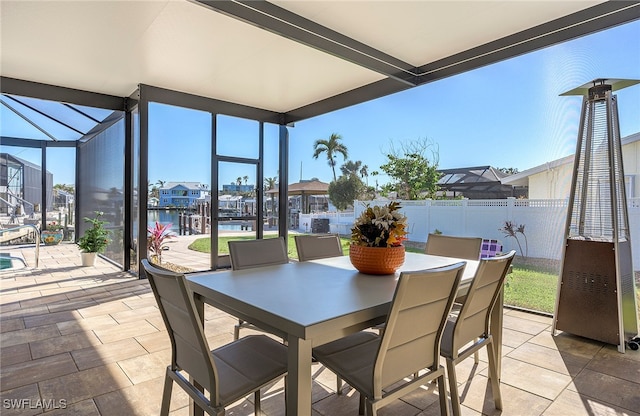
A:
234, 188
21, 185
553, 179
153, 201
181, 194
479, 182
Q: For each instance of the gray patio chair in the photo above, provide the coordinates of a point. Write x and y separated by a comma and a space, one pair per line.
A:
228, 373
312, 247
248, 254
468, 248
471, 324
373, 364
449, 246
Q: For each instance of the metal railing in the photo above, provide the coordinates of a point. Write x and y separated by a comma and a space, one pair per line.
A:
18, 228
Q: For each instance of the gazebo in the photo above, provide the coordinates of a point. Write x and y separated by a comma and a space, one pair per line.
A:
305, 189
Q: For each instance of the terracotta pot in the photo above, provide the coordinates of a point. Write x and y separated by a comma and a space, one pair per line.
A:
376, 260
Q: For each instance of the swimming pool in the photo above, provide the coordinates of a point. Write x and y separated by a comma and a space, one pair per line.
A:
9, 262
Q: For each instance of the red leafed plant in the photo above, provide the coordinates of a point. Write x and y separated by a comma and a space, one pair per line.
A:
157, 235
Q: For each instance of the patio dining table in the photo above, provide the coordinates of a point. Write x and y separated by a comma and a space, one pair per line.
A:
312, 303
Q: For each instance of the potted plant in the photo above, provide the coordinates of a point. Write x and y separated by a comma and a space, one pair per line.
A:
155, 240
94, 240
376, 239
52, 234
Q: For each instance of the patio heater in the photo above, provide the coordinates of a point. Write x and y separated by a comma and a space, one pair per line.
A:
596, 291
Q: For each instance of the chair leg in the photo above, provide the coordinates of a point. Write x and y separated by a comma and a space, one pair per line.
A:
476, 356
493, 376
453, 387
236, 330
256, 405
166, 394
361, 404
442, 395
371, 411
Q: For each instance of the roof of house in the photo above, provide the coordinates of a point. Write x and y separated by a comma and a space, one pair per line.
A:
522, 178
312, 187
474, 182
188, 185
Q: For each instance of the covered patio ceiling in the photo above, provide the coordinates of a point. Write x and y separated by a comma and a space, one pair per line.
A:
282, 61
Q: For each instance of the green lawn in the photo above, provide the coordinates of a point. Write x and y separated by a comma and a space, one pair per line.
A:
529, 288
526, 287
203, 244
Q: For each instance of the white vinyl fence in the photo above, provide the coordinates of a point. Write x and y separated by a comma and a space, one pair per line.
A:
543, 220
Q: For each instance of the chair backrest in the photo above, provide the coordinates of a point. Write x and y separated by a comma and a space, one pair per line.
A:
189, 348
311, 247
247, 254
475, 313
460, 247
416, 320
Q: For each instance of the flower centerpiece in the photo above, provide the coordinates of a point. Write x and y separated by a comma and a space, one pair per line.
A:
52, 234
376, 239
95, 239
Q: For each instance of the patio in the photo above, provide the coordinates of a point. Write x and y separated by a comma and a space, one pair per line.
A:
90, 341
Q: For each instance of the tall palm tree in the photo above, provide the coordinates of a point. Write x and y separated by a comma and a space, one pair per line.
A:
331, 147
269, 184
364, 172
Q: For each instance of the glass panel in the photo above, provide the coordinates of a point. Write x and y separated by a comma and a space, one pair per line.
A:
61, 163
237, 208
20, 185
101, 186
32, 108
237, 137
179, 185
12, 125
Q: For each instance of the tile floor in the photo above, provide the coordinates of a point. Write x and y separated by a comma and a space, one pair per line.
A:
90, 341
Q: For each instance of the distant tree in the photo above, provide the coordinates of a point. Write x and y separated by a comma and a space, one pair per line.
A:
351, 168
364, 172
245, 179
331, 147
269, 184
239, 181
64, 187
508, 171
345, 190
415, 176
161, 183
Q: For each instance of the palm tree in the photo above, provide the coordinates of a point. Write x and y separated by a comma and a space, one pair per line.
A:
351, 168
269, 184
364, 172
245, 179
332, 147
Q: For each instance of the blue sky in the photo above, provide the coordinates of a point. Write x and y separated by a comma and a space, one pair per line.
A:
508, 114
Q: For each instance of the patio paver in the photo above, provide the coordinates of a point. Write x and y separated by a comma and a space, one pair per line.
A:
94, 339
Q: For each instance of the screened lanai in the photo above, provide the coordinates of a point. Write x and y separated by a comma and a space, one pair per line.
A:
245, 71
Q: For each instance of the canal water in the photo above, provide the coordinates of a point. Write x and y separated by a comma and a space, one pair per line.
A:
171, 216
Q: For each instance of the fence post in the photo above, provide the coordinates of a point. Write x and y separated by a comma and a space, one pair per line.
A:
511, 200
